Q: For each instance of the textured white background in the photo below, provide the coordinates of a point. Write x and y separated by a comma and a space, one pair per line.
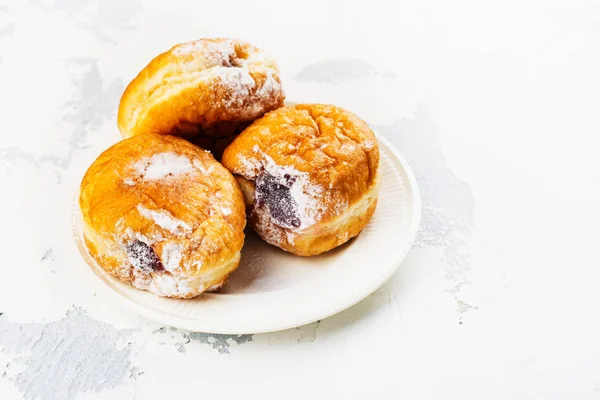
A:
494, 103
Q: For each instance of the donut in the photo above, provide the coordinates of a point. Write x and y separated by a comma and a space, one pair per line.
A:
207, 89
309, 174
163, 215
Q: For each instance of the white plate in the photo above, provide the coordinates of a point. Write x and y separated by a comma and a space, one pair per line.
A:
273, 290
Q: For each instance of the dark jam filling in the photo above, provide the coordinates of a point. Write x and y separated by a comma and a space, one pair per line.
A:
142, 256
275, 195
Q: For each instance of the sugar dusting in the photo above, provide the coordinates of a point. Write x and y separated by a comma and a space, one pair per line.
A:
221, 62
239, 81
225, 211
241, 86
171, 257
200, 167
305, 193
168, 282
129, 235
270, 232
212, 52
156, 246
160, 166
167, 285
165, 220
269, 86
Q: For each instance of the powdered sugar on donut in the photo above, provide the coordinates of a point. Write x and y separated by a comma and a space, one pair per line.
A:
235, 81
212, 52
225, 211
304, 192
269, 86
165, 220
159, 166
233, 73
239, 84
163, 284
130, 234
270, 232
212, 47
126, 234
171, 257
200, 167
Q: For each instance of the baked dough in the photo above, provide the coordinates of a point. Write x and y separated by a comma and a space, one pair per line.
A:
204, 89
162, 215
309, 174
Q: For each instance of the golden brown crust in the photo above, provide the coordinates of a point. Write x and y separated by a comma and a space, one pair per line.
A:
322, 236
176, 200
329, 160
197, 85
328, 236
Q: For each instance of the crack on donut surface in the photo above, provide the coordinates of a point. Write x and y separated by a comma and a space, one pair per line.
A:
275, 195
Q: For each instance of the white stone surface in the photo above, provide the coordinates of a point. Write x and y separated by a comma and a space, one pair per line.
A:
495, 104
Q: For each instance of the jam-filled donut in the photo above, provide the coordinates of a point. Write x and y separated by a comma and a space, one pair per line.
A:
162, 215
309, 174
206, 89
